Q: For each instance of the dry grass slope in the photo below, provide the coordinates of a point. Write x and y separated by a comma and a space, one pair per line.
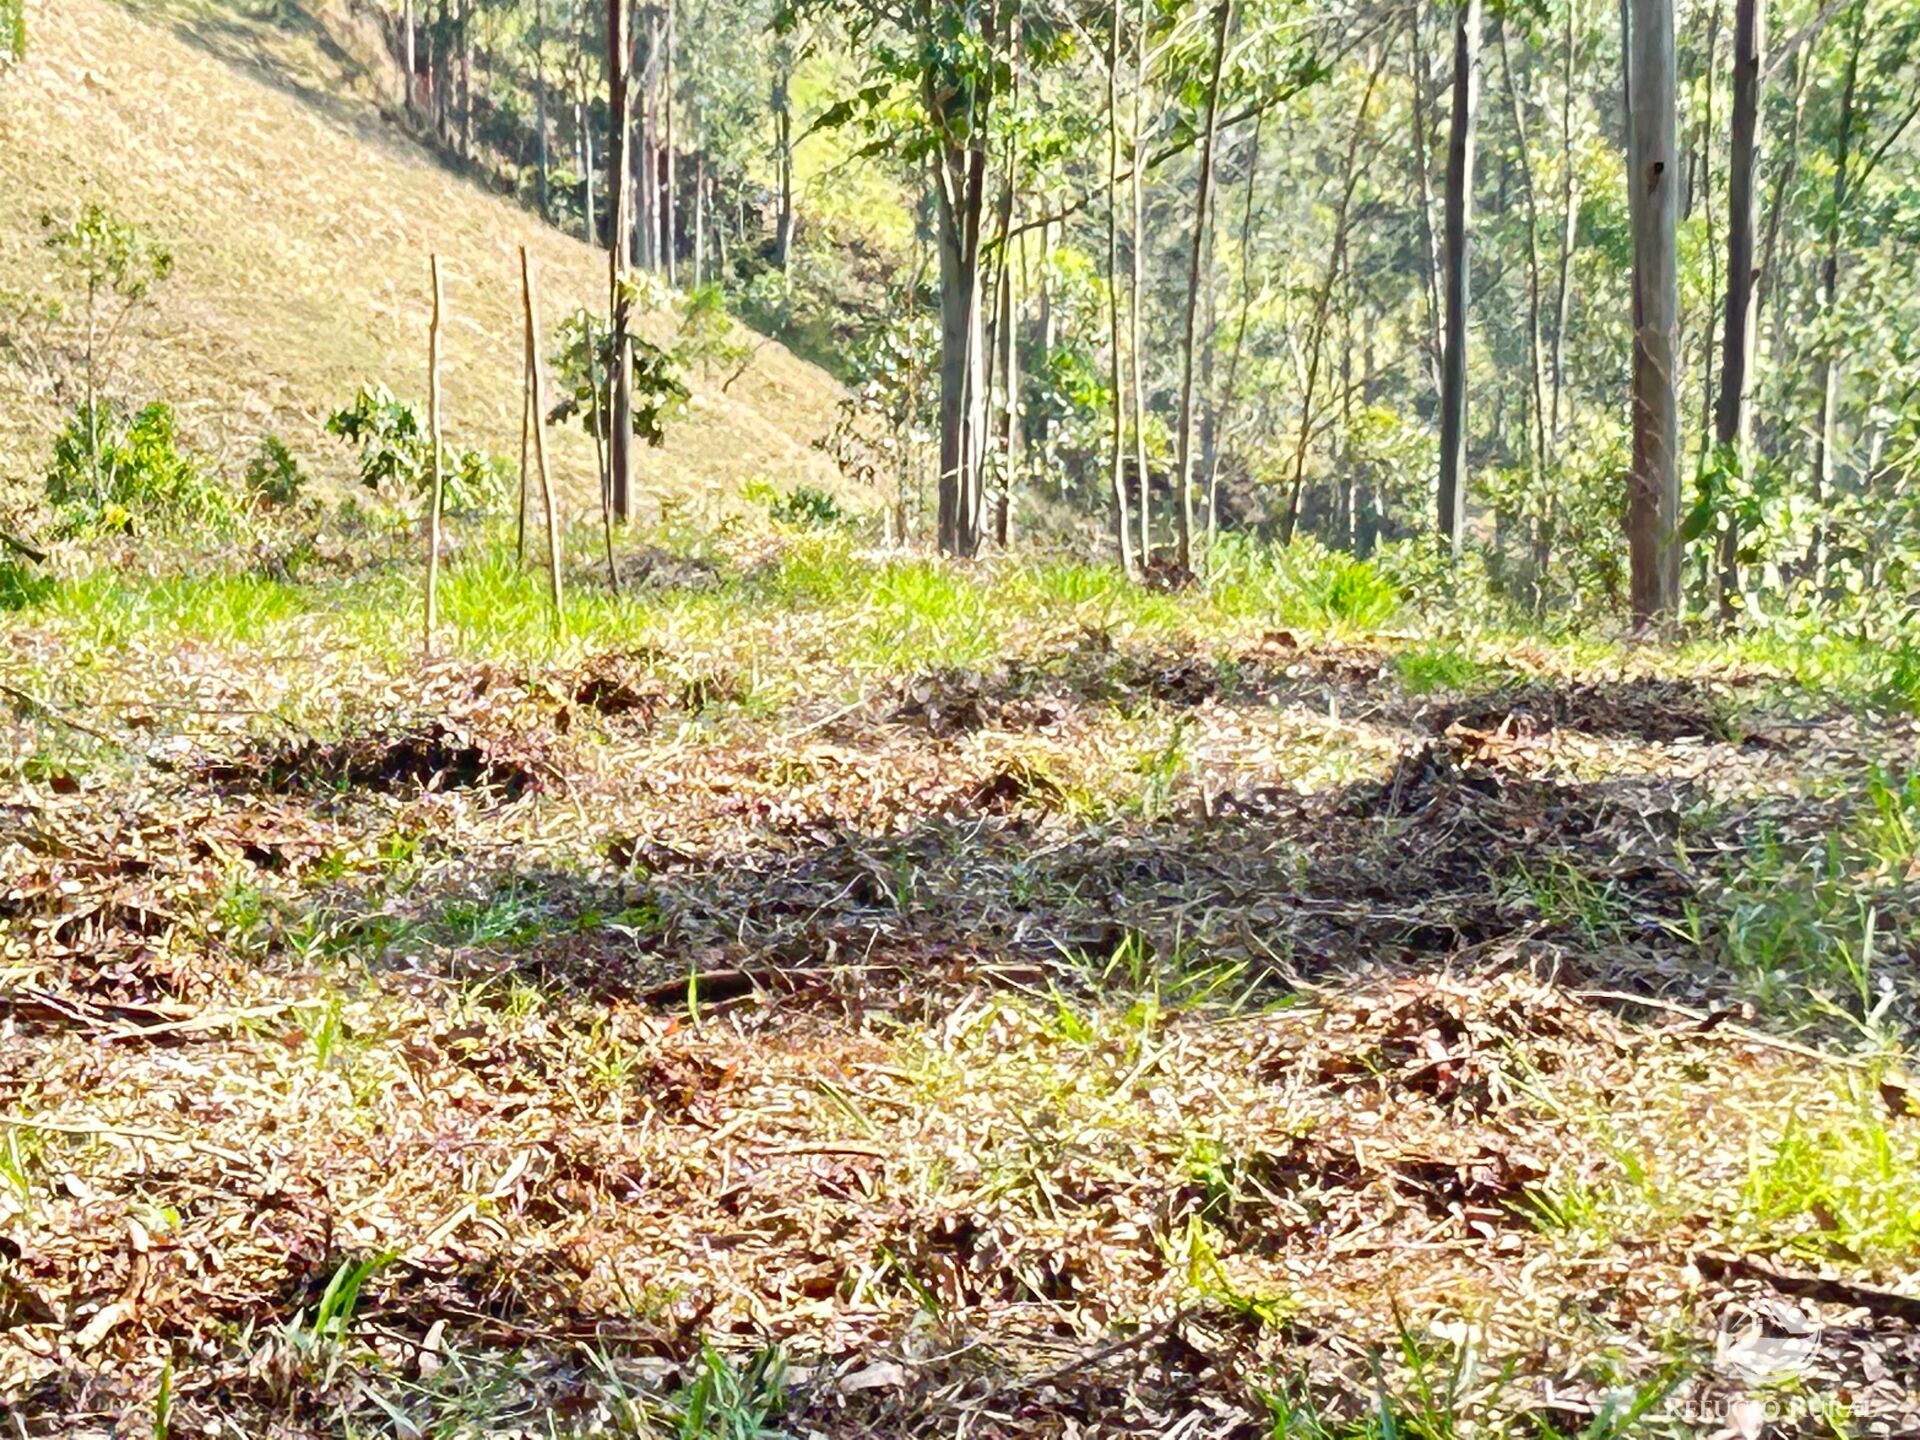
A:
253, 142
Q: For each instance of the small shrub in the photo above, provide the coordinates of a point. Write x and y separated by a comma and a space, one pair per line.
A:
274, 476
108, 470
396, 453
806, 506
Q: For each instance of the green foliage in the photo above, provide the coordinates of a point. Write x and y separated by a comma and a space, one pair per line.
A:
807, 507
1843, 1187
394, 449
1303, 583
109, 470
396, 454
583, 366
13, 31
1808, 925
708, 337
105, 254
274, 476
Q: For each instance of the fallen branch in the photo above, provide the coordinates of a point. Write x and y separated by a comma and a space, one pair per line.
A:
20, 547
123, 1132
1718, 1265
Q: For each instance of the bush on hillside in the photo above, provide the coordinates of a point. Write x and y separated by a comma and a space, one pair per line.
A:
274, 477
396, 454
110, 469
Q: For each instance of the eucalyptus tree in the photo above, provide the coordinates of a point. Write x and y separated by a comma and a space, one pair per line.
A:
1653, 188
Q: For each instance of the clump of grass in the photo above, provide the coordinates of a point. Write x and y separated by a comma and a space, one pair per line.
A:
1847, 1184
1805, 927
1427, 668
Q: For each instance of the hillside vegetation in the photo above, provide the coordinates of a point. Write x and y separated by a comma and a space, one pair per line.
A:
300, 221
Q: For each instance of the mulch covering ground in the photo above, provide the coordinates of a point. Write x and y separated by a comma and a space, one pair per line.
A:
873, 1032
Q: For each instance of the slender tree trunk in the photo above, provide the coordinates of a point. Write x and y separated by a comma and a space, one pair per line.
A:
1004, 351
960, 201
1732, 431
596, 421
1136, 290
670, 224
411, 28
646, 173
1536, 345
1825, 433
1459, 228
439, 484
783, 156
1323, 301
1653, 175
1116, 464
591, 226
555, 561
466, 79
1422, 148
1228, 395
620, 305
1569, 236
540, 104
1183, 458
700, 219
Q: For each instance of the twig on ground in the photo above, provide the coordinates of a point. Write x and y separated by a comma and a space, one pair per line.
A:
1717, 1265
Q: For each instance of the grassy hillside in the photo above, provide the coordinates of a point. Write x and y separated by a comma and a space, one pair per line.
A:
251, 140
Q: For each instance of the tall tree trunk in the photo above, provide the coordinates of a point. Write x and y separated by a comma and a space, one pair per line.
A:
1003, 354
645, 172
781, 104
1569, 235
1136, 290
540, 104
466, 79
1731, 430
1459, 232
1240, 330
590, 227
1653, 176
669, 225
1183, 458
700, 218
1116, 464
960, 194
1323, 300
1825, 433
1536, 345
619, 210
1422, 148
408, 22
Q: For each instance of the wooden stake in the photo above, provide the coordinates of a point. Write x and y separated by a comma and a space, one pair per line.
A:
526, 420
600, 456
540, 441
433, 426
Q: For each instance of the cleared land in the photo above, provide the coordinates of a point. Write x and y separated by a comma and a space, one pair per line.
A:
1021, 1004
247, 138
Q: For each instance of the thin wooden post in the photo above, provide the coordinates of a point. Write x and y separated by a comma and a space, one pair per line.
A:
600, 455
540, 441
526, 422
433, 427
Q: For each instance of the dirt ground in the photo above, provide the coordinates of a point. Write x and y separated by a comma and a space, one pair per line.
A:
1149, 1038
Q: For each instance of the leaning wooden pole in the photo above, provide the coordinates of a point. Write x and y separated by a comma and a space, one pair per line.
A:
439, 488
540, 442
